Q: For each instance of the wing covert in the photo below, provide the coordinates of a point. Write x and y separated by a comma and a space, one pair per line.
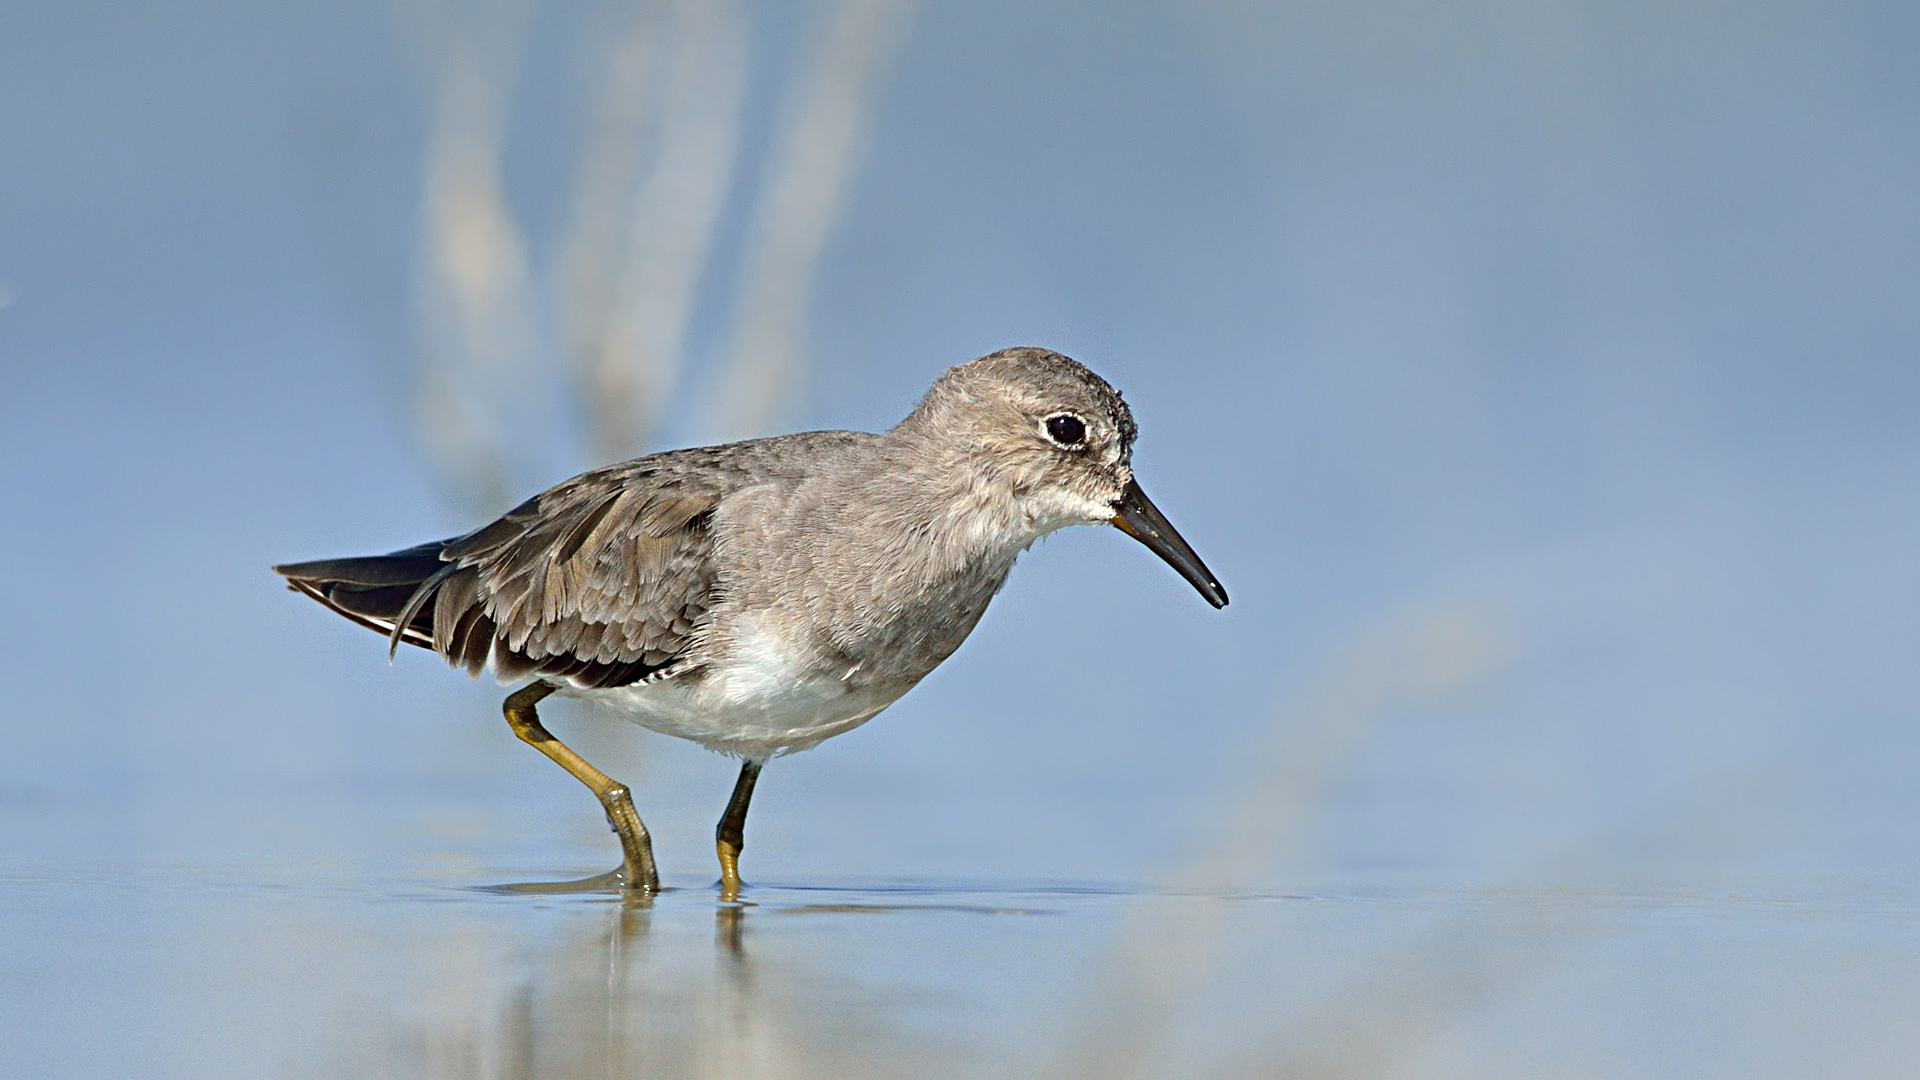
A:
604, 580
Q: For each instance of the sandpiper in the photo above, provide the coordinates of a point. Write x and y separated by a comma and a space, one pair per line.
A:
763, 596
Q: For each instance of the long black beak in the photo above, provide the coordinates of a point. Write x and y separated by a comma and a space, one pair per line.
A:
1136, 516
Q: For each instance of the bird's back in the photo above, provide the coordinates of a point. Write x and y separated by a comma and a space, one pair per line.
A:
604, 580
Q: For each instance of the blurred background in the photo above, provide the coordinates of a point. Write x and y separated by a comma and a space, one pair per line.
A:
1540, 378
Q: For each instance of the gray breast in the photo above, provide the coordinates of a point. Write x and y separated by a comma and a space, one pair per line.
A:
857, 567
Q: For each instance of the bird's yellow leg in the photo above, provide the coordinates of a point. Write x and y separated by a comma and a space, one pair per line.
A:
637, 871
729, 838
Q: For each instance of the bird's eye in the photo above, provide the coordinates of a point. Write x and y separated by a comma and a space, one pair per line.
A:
1066, 429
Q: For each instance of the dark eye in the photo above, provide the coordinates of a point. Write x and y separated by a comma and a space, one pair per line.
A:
1066, 429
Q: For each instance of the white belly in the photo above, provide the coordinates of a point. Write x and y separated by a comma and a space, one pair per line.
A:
759, 705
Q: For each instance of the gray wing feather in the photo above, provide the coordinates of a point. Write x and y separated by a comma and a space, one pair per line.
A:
604, 580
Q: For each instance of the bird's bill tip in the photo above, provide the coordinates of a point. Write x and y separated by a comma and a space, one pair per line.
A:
1135, 515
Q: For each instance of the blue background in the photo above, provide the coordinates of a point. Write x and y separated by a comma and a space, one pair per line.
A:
1577, 345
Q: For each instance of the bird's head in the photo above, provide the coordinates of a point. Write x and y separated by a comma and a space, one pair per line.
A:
1055, 441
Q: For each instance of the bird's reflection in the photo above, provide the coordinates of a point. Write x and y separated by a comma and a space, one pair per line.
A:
630, 987
727, 927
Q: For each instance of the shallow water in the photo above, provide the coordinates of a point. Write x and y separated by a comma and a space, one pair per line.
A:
364, 955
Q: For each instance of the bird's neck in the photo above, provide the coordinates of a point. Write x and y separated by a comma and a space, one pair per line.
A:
960, 507
931, 538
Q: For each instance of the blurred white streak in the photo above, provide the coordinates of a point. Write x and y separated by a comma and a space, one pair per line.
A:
1409, 995
474, 320
815, 156
598, 235
1402, 999
1175, 941
644, 213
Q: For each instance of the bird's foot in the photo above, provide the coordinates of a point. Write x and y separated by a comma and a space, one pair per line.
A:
729, 870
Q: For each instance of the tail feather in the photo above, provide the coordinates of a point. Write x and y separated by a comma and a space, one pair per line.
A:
375, 590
